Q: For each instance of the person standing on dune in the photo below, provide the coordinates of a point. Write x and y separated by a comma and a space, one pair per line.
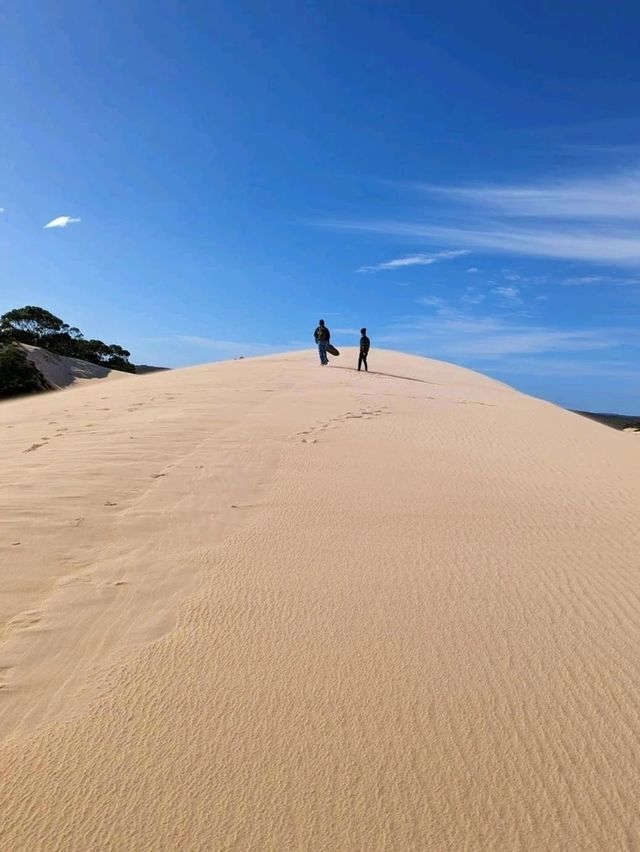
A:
365, 345
322, 337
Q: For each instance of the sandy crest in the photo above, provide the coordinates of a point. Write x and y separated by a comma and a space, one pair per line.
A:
264, 605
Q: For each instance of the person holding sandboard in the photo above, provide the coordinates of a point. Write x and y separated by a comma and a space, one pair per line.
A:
322, 336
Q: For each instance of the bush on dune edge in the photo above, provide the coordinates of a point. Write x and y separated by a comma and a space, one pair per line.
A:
18, 375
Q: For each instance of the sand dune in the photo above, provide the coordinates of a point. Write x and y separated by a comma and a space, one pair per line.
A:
262, 605
61, 371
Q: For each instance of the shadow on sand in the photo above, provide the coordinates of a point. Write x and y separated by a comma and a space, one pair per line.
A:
390, 375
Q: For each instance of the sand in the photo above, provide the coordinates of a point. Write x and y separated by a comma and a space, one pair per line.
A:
61, 371
264, 605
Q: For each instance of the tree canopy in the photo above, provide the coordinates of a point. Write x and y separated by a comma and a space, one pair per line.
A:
38, 327
30, 322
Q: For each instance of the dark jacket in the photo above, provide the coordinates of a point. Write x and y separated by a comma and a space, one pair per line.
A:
322, 333
365, 344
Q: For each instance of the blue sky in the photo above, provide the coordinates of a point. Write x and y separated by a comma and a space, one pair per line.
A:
463, 180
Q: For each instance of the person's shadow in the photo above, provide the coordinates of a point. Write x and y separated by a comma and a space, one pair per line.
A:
390, 375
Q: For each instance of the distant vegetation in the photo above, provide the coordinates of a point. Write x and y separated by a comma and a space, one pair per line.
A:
38, 327
145, 368
616, 421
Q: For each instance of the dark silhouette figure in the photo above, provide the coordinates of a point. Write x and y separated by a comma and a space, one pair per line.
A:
365, 345
322, 336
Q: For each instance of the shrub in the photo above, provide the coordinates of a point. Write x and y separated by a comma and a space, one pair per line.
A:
18, 375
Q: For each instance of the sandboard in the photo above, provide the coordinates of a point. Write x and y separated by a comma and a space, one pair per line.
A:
332, 350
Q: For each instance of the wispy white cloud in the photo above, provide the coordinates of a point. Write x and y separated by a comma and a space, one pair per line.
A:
613, 196
431, 301
450, 332
472, 297
225, 348
472, 269
508, 294
595, 220
590, 245
61, 222
564, 367
420, 259
602, 280
212, 347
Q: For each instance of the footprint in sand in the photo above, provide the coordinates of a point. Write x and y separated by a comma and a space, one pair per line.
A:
77, 522
157, 475
109, 503
4, 676
26, 620
72, 580
33, 448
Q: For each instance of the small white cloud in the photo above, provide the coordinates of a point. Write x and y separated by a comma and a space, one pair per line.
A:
61, 222
509, 294
1, 209
432, 301
473, 298
420, 259
472, 269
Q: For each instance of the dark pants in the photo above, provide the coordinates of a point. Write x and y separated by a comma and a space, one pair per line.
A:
363, 360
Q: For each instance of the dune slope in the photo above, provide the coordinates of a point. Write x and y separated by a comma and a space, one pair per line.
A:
61, 371
267, 605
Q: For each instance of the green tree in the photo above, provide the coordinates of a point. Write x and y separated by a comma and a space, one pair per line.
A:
119, 359
30, 324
